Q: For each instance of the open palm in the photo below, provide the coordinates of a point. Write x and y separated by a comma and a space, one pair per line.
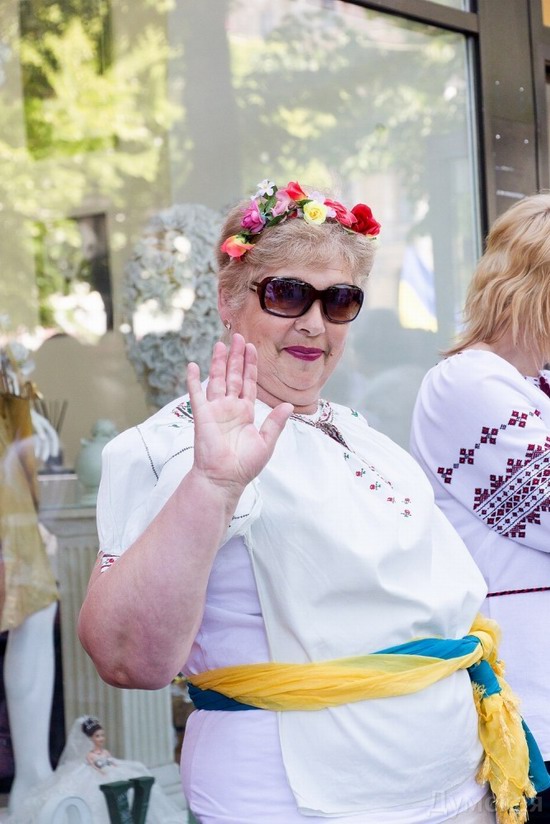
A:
229, 450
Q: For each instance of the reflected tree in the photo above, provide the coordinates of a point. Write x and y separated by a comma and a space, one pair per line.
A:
92, 120
349, 92
52, 35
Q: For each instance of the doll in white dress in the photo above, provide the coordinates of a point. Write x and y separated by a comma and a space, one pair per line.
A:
84, 765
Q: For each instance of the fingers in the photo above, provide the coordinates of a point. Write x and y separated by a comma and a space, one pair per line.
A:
232, 372
274, 424
227, 369
235, 366
216, 380
194, 385
250, 373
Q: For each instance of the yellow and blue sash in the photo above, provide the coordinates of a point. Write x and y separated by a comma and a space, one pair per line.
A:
512, 763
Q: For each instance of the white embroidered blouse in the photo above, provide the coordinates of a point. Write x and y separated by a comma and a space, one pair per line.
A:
481, 432
336, 549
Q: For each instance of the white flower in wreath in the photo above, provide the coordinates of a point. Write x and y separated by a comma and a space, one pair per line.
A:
170, 299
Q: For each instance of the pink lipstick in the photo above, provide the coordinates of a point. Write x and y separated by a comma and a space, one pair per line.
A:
304, 353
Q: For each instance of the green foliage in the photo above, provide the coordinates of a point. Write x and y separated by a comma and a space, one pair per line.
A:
58, 257
93, 121
331, 92
88, 120
63, 45
77, 98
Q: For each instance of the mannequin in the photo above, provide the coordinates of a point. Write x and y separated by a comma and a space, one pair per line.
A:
28, 591
29, 682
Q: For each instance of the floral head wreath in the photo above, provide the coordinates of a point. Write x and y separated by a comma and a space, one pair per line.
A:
270, 206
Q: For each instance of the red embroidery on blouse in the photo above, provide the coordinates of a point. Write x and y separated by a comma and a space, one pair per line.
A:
544, 386
519, 418
517, 497
107, 562
488, 435
183, 410
517, 591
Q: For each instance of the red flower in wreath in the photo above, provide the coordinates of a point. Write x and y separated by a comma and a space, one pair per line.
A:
295, 191
366, 223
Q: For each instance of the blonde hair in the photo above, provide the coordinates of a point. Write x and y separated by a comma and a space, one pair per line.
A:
290, 243
510, 288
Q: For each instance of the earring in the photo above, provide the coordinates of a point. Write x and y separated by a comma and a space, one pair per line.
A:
227, 325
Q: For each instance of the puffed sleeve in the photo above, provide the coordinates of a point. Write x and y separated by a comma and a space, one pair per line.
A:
141, 469
481, 431
131, 467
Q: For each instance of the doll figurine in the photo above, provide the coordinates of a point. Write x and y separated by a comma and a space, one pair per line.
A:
98, 757
84, 766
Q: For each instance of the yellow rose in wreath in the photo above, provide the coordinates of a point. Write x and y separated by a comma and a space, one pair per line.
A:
314, 212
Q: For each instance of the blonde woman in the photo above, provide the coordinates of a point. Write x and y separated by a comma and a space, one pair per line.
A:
481, 431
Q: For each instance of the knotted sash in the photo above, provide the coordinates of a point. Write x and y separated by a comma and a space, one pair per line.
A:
512, 762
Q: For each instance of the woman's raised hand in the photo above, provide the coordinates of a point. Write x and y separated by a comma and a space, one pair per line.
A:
229, 450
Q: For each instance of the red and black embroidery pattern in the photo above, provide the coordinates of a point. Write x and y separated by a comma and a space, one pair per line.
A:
543, 385
515, 498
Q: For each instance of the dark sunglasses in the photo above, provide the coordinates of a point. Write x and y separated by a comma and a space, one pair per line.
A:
292, 298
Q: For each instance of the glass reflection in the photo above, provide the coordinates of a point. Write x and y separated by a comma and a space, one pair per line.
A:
112, 112
137, 108
370, 105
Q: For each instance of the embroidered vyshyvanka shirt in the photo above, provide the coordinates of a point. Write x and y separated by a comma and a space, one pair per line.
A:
481, 431
335, 550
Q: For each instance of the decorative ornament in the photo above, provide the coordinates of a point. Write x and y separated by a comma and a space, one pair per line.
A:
271, 205
170, 299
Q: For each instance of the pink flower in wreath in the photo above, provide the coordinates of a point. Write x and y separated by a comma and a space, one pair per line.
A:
253, 220
341, 214
284, 203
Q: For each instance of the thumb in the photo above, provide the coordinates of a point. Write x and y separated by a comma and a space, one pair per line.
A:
274, 424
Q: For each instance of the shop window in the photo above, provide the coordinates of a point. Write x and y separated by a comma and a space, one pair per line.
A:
372, 106
375, 108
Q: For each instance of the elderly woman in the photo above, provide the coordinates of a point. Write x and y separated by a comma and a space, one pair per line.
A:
481, 430
266, 542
